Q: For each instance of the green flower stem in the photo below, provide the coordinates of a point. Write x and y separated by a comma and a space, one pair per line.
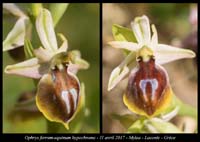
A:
35, 7
28, 49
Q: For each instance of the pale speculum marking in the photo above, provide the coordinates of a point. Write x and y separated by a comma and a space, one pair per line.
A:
65, 97
153, 84
74, 96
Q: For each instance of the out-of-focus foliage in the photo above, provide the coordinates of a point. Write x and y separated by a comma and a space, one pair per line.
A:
80, 24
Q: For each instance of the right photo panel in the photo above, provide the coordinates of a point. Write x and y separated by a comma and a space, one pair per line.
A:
149, 68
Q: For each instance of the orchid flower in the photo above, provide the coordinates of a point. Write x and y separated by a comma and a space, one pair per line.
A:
22, 28
59, 92
17, 35
148, 92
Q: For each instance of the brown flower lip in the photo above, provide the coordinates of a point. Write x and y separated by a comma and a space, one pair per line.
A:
66, 91
147, 86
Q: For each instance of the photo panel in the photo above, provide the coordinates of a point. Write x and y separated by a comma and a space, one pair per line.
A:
149, 68
51, 70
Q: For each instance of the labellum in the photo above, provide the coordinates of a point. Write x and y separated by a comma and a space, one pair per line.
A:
148, 92
66, 91
58, 94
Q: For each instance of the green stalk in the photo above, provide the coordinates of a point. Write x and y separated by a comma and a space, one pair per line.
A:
35, 8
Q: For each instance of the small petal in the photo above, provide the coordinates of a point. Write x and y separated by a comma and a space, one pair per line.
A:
122, 70
75, 53
154, 39
81, 64
64, 46
141, 29
145, 28
45, 29
15, 37
43, 55
75, 58
137, 32
28, 68
165, 53
124, 45
12, 8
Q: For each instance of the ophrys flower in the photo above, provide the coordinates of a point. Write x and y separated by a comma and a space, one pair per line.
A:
59, 92
148, 92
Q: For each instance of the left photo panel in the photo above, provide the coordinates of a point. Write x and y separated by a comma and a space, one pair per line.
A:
51, 70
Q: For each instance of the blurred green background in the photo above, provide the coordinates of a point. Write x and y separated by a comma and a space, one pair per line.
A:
80, 24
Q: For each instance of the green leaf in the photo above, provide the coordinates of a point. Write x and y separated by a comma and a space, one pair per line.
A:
57, 11
185, 109
137, 126
123, 34
126, 120
162, 126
